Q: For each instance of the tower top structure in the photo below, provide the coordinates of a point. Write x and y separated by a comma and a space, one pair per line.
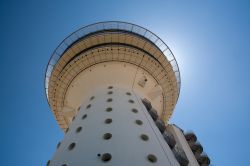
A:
111, 53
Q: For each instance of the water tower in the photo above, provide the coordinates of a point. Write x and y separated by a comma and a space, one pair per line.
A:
112, 86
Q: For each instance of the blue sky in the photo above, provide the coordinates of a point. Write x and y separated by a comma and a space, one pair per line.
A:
211, 42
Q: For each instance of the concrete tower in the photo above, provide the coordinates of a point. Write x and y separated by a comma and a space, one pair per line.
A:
112, 86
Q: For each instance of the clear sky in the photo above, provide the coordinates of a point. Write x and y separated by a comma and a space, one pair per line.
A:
210, 40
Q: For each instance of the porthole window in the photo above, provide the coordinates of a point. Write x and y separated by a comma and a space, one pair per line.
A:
92, 97
109, 100
128, 93
152, 158
71, 146
144, 137
107, 136
106, 157
134, 110
79, 129
88, 106
110, 92
131, 101
84, 116
108, 121
139, 122
109, 109
110, 87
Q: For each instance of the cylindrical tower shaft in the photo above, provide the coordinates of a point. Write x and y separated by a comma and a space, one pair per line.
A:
113, 127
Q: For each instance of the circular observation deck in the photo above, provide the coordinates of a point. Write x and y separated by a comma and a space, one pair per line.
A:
111, 53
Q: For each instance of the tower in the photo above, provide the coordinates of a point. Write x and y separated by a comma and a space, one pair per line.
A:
112, 86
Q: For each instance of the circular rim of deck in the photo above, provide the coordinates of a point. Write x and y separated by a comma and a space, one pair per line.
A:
110, 25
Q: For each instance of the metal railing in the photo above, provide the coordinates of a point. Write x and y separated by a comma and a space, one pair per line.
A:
114, 25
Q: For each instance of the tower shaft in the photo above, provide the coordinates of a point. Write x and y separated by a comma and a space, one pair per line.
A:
112, 126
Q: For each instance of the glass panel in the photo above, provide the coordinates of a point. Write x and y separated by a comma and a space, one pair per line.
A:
128, 27
47, 79
89, 29
67, 41
109, 25
48, 73
136, 29
139, 30
82, 32
73, 38
99, 27
143, 31
173, 63
177, 74
163, 47
150, 36
168, 54
64, 46
158, 43
55, 58
121, 26
49, 70
175, 67
60, 50
76, 36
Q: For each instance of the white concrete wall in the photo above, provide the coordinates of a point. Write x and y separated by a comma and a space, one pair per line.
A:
125, 145
182, 143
